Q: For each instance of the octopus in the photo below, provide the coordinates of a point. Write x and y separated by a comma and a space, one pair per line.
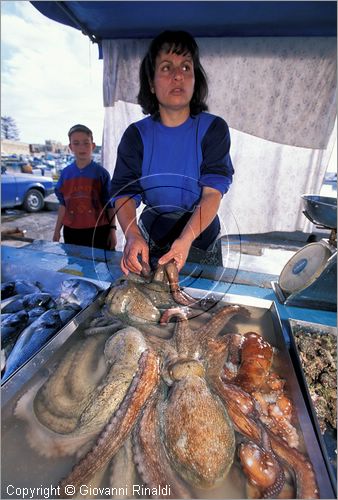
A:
142, 299
184, 408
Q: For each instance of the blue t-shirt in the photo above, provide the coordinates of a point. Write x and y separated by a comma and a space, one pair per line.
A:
167, 167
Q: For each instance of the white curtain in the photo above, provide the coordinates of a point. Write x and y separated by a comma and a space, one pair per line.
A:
278, 96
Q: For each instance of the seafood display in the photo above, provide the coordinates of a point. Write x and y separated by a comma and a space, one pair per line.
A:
315, 349
177, 413
18, 287
31, 316
318, 355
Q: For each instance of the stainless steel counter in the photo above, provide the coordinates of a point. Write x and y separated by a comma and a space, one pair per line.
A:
23, 466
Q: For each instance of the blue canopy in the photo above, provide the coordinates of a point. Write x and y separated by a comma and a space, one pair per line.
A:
124, 19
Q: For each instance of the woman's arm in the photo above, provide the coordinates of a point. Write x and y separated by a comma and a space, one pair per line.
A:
203, 215
59, 222
135, 245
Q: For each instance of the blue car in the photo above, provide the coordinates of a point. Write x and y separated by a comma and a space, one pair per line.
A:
28, 190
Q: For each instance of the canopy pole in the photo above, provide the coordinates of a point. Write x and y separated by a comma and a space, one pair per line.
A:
71, 16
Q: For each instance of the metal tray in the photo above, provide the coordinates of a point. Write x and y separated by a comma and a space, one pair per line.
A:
328, 440
51, 282
24, 467
14, 384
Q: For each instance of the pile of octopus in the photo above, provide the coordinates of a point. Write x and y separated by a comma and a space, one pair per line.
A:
157, 398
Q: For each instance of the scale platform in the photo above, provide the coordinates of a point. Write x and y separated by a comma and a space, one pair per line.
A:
309, 279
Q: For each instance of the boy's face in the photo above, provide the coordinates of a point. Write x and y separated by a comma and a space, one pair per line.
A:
82, 146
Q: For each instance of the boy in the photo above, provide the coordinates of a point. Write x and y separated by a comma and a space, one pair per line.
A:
85, 211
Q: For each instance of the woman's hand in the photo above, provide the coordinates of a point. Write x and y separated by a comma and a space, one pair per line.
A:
178, 252
135, 246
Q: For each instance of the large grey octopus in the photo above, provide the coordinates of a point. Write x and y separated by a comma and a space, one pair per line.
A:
142, 299
172, 397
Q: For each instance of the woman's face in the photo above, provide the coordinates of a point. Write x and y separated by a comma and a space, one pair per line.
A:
174, 81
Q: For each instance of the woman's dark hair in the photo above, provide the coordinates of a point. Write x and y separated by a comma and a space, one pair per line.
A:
176, 42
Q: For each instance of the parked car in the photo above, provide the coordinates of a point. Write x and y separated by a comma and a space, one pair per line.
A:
28, 190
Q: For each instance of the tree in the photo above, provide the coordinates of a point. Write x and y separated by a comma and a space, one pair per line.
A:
9, 130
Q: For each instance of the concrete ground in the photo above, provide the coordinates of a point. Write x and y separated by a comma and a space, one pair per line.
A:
38, 226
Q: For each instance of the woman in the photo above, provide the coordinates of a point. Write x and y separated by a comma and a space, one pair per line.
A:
176, 161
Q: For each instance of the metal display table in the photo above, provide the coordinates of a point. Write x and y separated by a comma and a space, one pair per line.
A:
104, 268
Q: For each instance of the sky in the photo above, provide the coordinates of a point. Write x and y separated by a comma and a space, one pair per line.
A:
51, 76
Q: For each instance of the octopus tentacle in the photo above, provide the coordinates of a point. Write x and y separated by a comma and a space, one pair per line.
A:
157, 330
184, 338
44, 441
121, 352
273, 490
219, 320
179, 295
120, 424
228, 367
262, 469
61, 424
245, 422
54, 386
305, 477
123, 474
303, 470
150, 457
239, 414
65, 393
84, 375
304, 474
276, 413
146, 270
104, 325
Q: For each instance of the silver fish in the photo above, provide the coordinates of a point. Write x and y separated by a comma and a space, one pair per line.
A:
12, 325
24, 287
76, 291
29, 301
32, 339
7, 289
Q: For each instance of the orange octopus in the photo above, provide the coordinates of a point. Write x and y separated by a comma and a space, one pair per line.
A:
267, 421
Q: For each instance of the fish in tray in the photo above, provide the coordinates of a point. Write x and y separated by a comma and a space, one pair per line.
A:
32, 319
68, 311
12, 325
32, 339
7, 289
29, 301
35, 313
76, 291
19, 287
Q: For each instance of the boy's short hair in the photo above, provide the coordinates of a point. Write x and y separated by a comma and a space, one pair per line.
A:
80, 128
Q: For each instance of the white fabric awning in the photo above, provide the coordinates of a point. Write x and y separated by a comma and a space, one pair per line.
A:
278, 88
278, 96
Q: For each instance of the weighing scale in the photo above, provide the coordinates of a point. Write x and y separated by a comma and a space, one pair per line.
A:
309, 279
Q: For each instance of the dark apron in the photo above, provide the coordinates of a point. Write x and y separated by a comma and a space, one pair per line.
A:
161, 230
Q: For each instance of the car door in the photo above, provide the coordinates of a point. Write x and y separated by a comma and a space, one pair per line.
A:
8, 191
